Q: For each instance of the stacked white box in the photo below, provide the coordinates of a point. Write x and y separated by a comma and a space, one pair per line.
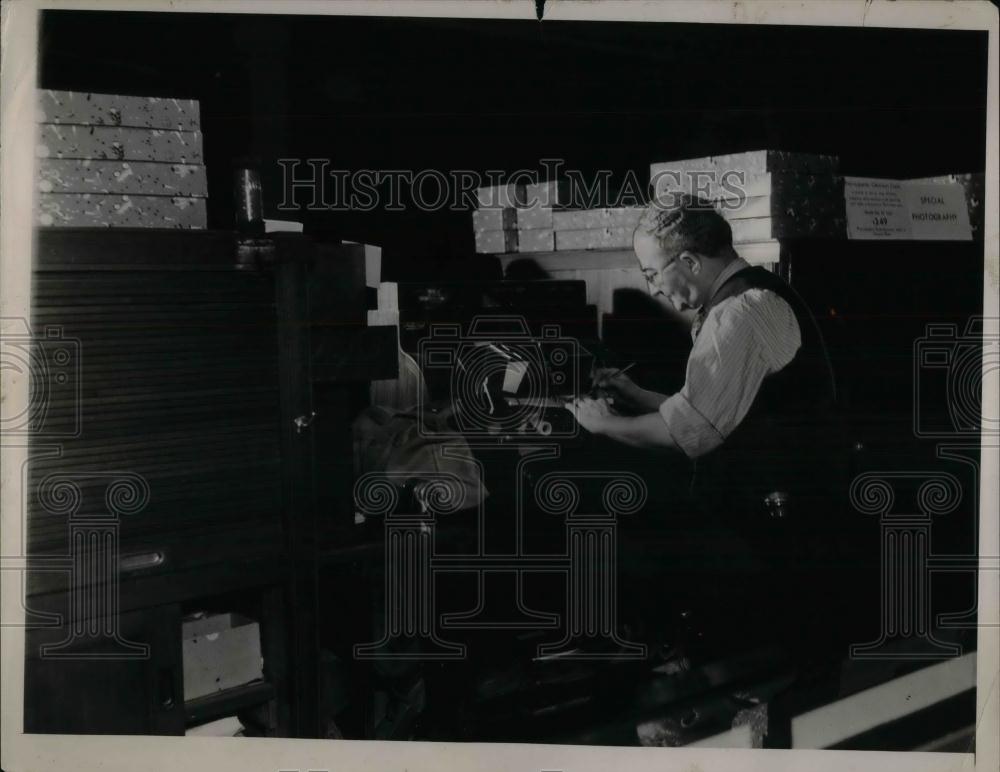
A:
765, 195
594, 238
535, 240
107, 160
596, 219
496, 242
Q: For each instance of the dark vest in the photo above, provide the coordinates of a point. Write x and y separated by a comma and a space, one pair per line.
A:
790, 439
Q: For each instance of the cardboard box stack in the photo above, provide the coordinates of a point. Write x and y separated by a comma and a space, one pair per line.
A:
105, 160
518, 218
766, 195
536, 219
494, 222
607, 228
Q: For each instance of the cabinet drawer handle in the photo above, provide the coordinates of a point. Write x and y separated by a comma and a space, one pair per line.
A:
139, 560
167, 700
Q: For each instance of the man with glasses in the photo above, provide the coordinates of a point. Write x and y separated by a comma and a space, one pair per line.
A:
755, 417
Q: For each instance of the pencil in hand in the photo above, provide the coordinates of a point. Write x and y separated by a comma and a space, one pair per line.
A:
621, 371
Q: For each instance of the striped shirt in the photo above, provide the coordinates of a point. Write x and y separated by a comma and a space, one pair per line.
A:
737, 343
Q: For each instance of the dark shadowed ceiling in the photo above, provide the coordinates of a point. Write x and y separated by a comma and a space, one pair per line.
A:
459, 94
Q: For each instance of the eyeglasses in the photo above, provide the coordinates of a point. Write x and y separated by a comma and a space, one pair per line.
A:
651, 276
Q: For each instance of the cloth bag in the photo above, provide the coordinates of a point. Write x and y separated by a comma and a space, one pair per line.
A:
414, 448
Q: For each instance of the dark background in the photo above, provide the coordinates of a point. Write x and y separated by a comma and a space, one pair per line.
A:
378, 93
381, 93
371, 93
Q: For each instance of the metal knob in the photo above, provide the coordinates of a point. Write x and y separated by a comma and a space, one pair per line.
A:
303, 421
776, 504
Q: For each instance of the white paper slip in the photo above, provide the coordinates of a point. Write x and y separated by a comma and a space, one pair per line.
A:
282, 226
876, 209
938, 212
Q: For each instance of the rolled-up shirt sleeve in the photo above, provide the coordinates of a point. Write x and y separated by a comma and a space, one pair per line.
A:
741, 341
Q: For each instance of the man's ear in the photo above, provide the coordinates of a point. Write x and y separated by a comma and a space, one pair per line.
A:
691, 260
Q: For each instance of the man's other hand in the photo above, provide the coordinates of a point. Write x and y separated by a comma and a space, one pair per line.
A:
612, 382
591, 414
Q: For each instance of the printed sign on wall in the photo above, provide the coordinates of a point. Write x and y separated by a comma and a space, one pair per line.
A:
938, 212
876, 209
894, 209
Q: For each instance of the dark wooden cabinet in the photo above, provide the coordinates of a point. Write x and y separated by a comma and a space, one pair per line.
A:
129, 683
186, 458
167, 422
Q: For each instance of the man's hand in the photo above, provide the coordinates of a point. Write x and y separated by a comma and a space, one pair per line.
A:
612, 382
624, 392
591, 414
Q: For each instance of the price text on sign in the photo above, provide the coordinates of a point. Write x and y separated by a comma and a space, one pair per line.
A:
894, 209
876, 209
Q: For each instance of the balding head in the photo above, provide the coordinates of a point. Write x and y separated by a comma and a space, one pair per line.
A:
687, 222
682, 248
